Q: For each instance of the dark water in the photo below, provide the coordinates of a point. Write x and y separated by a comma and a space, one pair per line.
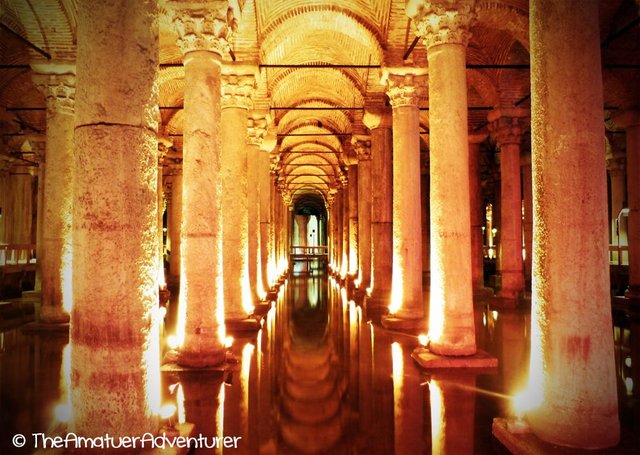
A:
319, 378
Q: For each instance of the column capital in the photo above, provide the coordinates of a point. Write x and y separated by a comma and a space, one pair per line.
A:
256, 129
377, 118
204, 26
508, 125
442, 21
362, 147
405, 85
58, 84
237, 90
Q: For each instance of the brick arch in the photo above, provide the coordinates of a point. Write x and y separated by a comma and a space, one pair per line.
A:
510, 18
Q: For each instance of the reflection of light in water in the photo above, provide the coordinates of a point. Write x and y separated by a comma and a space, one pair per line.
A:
312, 292
63, 410
437, 417
245, 370
484, 319
220, 416
494, 315
151, 362
627, 362
397, 367
628, 382
167, 411
177, 388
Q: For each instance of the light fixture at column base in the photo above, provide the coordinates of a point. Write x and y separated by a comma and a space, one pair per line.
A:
523, 442
428, 360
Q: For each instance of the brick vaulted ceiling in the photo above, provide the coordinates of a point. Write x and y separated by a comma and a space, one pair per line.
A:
294, 42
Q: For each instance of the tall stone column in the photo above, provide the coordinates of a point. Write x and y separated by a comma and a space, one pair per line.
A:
237, 90
57, 82
379, 123
114, 329
264, 195
162, 153
354, 245
572, 371
631, 122
344, 269
203, 39
507, 127
406, 306
616, 167
527, 198
38, 146
362, 146
477, 218
443, 26
256, 129
175, 231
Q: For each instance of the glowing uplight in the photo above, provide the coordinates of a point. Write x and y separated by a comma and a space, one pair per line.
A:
66, 274
494, 315
423, 339
436, 304
397, 293
523, 402
62, 412
167, 411
627, 361
172, 342
628, 383
397, 365
228, 342
162, 312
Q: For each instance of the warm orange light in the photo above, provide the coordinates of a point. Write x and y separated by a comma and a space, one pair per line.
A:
423, 339
437, 417
228, 342
397, 292
151, 361
180, 404
172, 342
167, 411
66, 274
436, 305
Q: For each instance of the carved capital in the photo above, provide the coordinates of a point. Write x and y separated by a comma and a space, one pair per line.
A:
59, 91
362, 147
237, 90
507, 126
204, 26
405, 89
256, 129
442, 21
377, 118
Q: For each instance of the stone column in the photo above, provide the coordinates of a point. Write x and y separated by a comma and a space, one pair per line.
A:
507, 127
631, 122
38, 146
264, 194
444, 28
616, 167
237, 88
114, 329
162, 153
354, 245
256, 129
379, 123
203, 39
477, 218
572, 372
362, 146
425, 224
57, 82
346, 240
406, 306
175, 233
527, 198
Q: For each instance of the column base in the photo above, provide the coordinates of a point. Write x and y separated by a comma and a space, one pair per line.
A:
393, 322
183, 360
35, 294
262, 307
49, 315
44, 327
428, 360
248, 324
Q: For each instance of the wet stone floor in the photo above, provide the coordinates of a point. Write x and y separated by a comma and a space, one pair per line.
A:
320, 378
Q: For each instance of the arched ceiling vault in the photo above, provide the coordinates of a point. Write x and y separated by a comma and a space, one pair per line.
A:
320, 65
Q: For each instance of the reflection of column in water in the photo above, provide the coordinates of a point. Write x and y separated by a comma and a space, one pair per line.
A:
202, 401
452, 413
381, 437
237, 411
312, 414
514, 364
354, 351
407, 400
